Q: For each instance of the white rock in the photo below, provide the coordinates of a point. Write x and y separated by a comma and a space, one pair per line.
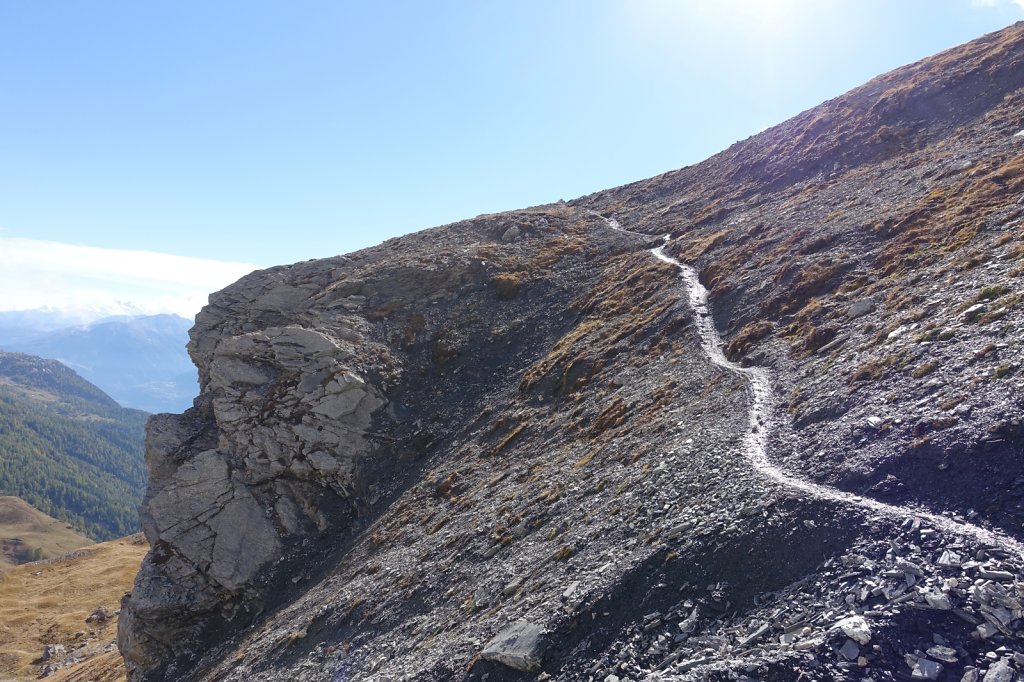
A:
926, 670
859, 308
999, 671
856, 628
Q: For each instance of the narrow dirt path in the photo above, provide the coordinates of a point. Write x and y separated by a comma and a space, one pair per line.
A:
762, 401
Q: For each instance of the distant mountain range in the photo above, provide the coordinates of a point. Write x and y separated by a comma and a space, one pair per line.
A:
140, 361
68, 449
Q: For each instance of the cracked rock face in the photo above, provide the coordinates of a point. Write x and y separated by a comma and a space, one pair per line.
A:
213, 521
270, 456
321, 384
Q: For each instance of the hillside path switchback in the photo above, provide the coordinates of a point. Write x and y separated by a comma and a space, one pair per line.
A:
762, 399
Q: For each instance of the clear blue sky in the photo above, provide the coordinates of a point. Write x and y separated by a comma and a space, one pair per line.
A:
268, 132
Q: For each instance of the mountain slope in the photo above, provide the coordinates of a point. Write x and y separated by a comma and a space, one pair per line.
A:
525, 446
139, 361
885, 273
67, 448
26, 534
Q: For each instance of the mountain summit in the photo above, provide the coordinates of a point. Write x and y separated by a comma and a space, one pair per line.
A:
756, 418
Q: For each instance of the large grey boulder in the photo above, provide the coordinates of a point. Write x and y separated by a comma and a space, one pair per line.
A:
519, 646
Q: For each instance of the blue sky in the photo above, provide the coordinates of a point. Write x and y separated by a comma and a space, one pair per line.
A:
265, 132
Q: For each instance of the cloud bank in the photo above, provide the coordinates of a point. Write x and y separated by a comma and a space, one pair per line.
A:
90, 282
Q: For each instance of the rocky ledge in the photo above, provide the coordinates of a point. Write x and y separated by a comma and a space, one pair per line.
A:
322, 384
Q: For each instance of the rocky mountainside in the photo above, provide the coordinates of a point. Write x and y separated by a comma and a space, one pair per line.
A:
68, 449
782, 442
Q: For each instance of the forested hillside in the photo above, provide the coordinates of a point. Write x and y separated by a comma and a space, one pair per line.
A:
67, 448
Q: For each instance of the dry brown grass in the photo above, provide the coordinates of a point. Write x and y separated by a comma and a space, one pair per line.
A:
633, 294
506, 286
48, 602
799, 284
747, 337
869, 371
24, 528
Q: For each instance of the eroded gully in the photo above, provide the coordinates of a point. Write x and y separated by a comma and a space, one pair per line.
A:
762, 401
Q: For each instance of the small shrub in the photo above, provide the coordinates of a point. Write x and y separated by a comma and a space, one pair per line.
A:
993, 316
507, 440
612, 416
869, 371
444, 352
817, 244
972, 261
817, 337
951, 403
925, 369
991, 292
563, 553
747, 336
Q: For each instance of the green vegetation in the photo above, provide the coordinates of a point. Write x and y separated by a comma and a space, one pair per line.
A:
68, 449
1002, 370
991, 292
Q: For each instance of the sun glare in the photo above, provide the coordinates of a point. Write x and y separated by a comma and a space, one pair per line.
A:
744, 26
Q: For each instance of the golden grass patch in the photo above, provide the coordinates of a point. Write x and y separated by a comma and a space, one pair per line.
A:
47, 603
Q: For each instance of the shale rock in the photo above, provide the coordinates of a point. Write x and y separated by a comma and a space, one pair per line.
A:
519, 646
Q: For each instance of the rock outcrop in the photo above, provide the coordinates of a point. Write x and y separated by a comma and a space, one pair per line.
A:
502, 449
271, 456
321, 382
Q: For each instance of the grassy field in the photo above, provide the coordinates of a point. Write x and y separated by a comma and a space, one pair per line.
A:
48, 602
28, 534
